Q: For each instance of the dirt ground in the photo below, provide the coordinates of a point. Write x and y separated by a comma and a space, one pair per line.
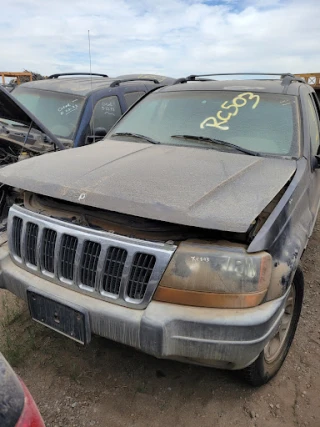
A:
109, 385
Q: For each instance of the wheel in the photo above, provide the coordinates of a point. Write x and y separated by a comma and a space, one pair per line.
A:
274, 353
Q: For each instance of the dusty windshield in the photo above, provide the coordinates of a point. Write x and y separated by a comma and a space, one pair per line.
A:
266, 123
59, 112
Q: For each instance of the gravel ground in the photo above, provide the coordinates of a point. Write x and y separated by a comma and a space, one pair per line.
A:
107, 384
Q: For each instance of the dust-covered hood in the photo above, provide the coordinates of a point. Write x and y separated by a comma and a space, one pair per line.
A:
185, 185
12, 109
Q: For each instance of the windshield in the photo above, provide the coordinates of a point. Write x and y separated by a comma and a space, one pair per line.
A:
59, 112
265, 123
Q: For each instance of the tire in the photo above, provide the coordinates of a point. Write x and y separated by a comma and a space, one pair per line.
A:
267, 365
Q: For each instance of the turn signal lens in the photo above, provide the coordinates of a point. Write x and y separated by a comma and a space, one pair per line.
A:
218, 275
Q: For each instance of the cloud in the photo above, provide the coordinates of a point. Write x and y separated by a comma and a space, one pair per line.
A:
174, 37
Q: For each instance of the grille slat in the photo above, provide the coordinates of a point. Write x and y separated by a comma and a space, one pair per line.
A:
112, 274
113, 268
69, 246
48, 247
89, 263
140, 274
31, 243
16, 235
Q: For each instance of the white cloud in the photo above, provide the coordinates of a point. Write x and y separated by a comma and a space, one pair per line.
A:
175, 37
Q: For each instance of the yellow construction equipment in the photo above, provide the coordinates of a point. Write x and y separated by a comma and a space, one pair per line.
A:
313, 79
17, 75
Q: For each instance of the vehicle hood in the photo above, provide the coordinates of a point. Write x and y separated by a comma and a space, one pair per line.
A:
12, 109
185, 185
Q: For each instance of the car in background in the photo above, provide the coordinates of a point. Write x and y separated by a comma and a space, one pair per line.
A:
8, 86
64, 111
17, 407
79, 108
22, 136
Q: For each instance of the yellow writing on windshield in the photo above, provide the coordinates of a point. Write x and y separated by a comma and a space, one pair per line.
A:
220, 120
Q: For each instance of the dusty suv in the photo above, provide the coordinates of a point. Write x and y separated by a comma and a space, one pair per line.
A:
181, 233
81, 109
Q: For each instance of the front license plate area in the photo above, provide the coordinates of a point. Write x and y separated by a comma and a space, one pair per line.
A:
69, 321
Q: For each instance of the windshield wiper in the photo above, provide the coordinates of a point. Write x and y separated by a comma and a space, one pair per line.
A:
219, 142
136, 135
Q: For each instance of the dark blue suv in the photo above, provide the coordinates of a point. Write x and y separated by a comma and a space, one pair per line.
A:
80, 108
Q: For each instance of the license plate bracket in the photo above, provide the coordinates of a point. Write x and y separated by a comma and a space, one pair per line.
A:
67, 319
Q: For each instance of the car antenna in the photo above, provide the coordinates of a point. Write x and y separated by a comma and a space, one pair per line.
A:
89, 42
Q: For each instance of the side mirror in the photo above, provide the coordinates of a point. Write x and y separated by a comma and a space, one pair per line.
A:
316, 162
98, 134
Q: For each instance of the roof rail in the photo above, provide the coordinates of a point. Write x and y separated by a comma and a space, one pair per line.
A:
118, 82
187, 79
56, 76
286, 78
181, 80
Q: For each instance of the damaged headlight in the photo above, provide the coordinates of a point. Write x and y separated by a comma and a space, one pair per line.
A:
210, 275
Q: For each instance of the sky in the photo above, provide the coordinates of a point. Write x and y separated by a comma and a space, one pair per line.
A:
169, 37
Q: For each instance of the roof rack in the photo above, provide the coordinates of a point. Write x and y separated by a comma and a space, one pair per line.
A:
118, 82
56, 76
286, 78
187, 79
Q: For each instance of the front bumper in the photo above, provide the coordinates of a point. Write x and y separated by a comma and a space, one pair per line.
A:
223, 338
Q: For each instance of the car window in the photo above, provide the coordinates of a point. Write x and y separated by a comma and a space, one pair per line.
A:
314, 127
59, 112
106, 112
132, 97
317, 104
267, 123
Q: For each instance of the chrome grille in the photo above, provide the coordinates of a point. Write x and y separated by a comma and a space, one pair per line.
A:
16, 235
141, 270
67, 255
89, 263
47, 251
110, 267
31, 243
115, 260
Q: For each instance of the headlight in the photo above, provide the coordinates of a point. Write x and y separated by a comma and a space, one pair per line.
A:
208, 275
